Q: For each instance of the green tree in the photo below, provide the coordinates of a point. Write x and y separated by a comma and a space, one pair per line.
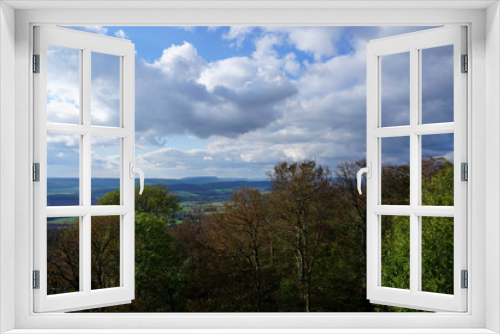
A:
437, 232
156, 199
437, 236
159, 272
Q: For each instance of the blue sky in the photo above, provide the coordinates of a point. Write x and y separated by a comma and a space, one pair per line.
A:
234, 101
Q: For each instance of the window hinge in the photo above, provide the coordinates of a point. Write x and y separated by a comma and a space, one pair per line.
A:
36, 279
36, 63
464, 171
465, 279
465, 64
36, 172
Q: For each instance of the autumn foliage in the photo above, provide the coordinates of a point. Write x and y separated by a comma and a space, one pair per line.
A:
299, 248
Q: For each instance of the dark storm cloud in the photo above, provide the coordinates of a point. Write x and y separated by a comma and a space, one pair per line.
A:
395, 89
437, 84
441, 145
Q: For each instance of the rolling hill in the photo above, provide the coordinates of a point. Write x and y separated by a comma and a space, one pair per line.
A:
64, 191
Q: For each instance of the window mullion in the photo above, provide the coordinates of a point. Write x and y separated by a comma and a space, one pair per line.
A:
415, 256
85, 160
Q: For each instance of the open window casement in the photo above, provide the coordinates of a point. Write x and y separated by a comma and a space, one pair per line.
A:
414, 130
72, 111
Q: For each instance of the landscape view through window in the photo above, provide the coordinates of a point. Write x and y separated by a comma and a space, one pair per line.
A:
250, 139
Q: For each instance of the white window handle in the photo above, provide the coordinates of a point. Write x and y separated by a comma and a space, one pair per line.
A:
133, 170
368, 171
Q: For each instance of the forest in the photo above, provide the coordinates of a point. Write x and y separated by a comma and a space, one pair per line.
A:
299, 247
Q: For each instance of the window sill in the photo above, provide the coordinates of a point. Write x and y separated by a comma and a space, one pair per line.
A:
250, 331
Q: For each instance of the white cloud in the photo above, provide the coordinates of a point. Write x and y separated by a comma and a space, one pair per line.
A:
181, 61
191, 96
324, 119
265, 52
105, 90
291, 65
250, 109
105, 156
319, 41
238, 33
188, 28
63, 85
60, 141
121, 34
96, 29
230, 72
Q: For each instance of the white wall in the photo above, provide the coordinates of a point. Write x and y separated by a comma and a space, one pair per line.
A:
492, 163
305, 17
7, 160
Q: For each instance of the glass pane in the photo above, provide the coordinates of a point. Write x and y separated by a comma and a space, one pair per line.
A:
437, 169
396, 252
63, 255
105, 236
63, 85
437, 254
395, 89
63, 170
395, 171
105, 90
437, 84
106, 162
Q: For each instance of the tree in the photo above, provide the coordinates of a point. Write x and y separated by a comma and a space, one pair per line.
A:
155, 199
395, 184
63, 254
344, 270
63, 260
159, 271
437, 232
437, 236
301, 247
105, 248
243, 230
301, 198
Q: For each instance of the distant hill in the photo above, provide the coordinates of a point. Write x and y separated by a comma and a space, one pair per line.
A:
193, 180
64, 191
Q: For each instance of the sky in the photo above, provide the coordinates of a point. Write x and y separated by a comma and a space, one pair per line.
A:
234, 101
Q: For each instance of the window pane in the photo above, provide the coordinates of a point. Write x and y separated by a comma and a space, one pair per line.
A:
396, 252
437, 169
395, 89
395, 171
437, 254
106, 159
105, 90
63, 85
63, 255
105, 236
63, 170
437, 84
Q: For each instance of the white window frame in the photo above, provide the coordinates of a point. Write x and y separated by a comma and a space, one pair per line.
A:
413, 44
86, 44
483, 21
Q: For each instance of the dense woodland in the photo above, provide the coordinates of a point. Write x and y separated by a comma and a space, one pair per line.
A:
300, 247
